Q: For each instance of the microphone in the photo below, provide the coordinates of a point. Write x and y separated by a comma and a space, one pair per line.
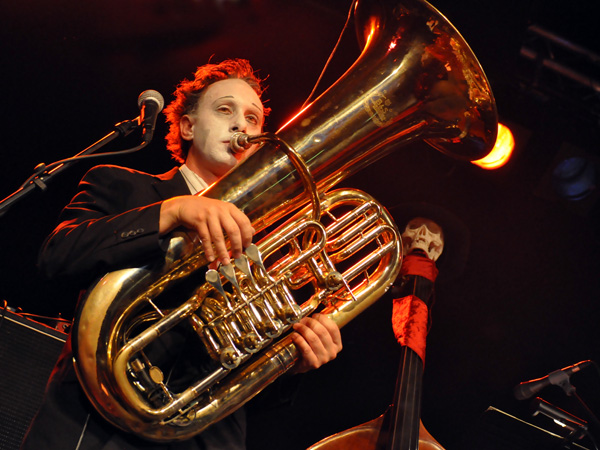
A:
240, 142
559, 377
150, 103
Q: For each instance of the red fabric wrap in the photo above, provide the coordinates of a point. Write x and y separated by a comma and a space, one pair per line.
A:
410, 315
409, 320
416, 264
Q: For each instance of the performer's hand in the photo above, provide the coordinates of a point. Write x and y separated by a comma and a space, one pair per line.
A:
319, 340
212, 220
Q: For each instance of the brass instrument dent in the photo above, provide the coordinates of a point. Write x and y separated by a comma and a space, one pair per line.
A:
416, 79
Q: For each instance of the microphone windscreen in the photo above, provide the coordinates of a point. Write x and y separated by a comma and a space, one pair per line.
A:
151, 95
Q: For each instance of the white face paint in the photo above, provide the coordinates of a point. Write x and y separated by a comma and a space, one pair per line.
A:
423, 234
225, 107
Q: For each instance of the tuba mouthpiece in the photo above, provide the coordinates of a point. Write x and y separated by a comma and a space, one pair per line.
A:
240, 142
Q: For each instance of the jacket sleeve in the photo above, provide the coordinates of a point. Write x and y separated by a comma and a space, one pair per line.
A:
111, 223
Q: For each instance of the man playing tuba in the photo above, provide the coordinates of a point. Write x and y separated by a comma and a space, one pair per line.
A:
120, 218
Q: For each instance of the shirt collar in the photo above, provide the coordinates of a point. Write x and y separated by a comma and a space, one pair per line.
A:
192, 179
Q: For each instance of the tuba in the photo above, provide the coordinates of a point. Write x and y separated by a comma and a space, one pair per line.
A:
335, 251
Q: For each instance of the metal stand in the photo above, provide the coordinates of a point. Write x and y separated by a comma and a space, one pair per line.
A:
43, 173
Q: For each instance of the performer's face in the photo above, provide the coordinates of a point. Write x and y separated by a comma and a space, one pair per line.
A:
225, 107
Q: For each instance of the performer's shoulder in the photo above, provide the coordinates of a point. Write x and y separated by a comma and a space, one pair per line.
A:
114, 171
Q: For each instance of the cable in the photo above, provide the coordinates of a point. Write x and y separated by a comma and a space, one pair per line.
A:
330, 58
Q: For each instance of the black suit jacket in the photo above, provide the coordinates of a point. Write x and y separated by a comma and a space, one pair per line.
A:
111, 223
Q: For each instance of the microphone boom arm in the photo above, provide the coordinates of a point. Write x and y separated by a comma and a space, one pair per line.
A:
43, 173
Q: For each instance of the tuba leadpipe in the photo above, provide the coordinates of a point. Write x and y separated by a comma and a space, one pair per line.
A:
416, 79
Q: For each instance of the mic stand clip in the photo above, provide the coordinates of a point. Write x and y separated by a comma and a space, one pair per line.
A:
578, 428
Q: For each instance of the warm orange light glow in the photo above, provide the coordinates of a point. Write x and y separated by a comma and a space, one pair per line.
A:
500, 154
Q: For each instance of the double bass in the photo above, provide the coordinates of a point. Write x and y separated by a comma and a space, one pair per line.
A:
400, 427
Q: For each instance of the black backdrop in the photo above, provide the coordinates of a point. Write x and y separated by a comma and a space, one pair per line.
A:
526, 303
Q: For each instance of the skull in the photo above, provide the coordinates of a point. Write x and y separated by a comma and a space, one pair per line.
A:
423, 234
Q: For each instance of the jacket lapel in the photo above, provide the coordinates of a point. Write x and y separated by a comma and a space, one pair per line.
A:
171, 184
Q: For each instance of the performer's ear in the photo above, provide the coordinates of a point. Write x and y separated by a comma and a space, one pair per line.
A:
186, 128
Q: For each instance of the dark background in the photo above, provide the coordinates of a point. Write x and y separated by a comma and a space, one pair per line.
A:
525, 304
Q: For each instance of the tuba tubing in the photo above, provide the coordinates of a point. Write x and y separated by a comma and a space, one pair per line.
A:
415, 80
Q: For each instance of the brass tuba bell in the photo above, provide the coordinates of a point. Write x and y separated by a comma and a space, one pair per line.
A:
336, 251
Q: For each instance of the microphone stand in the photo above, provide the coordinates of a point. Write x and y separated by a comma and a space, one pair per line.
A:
570, 390
43, 173
587, 409
577, 427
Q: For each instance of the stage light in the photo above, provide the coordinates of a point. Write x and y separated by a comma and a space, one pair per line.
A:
502, 151
574, 178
